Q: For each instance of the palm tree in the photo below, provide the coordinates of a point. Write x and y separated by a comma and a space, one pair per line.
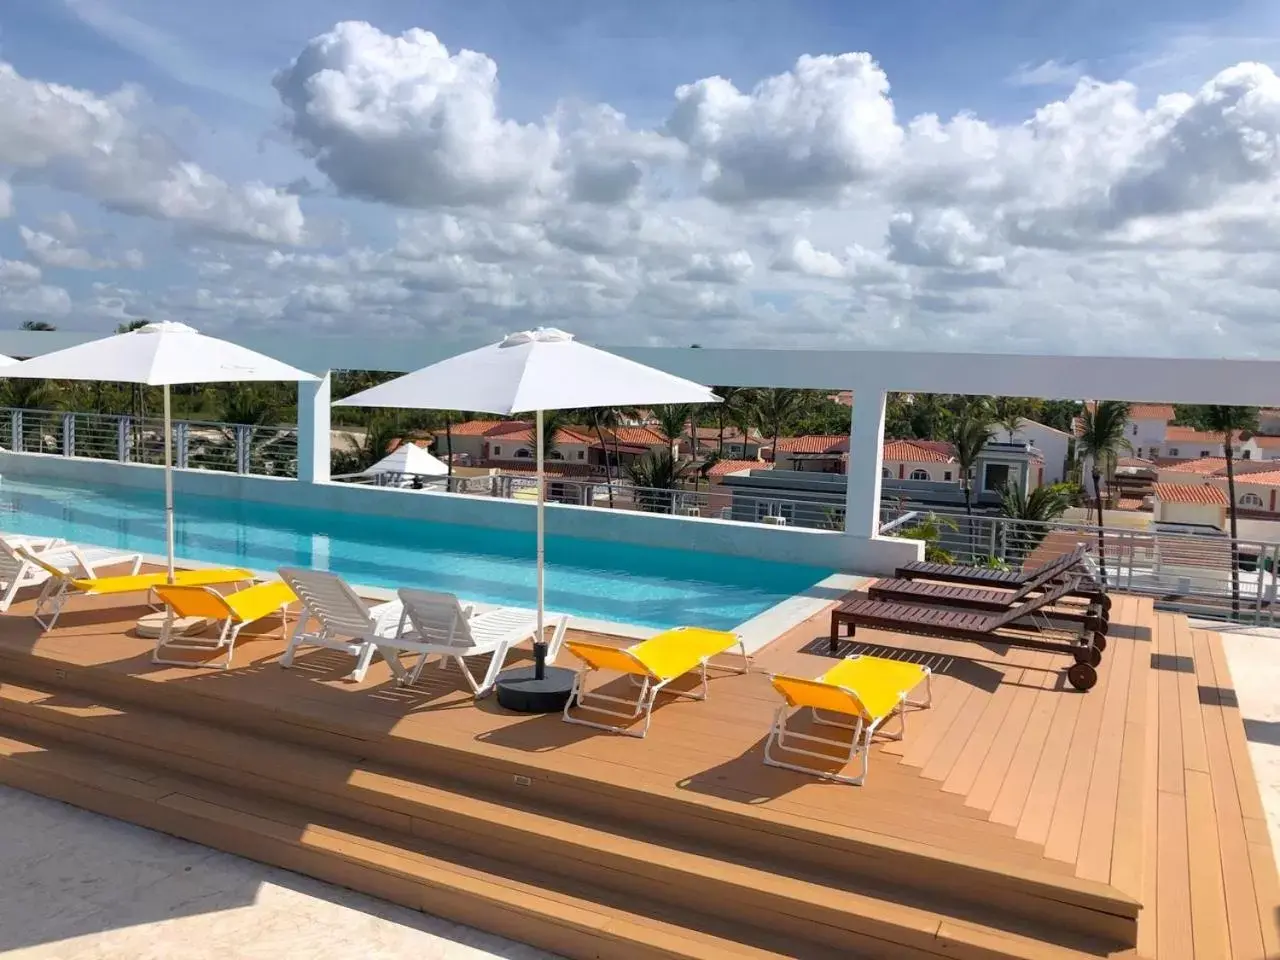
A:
929, 414
41, 325
381, 430
731, 399
1102, 437
553, 421
1031, 514
1231, 422
595, 419
1010, 413
968, 438
657, 475
673, 418
929, 529
773, 409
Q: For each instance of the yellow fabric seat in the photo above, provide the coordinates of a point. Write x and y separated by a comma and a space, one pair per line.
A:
650, 665
234, 610
863, 692
60, 586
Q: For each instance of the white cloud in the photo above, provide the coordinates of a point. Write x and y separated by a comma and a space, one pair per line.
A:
48, 251
1047, 73
99, 146
26, 301
809, 132
6, 200
403, 121
18, 273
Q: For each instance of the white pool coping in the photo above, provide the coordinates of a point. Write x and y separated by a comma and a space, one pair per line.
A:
757, 632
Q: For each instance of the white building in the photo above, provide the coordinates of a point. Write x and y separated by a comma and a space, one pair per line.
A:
1054, 446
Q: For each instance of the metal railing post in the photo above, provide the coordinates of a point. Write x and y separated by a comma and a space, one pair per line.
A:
15, 424
122, 439
243, 438
181, 445
68, 434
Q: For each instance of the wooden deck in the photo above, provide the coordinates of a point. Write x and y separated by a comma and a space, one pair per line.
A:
1078, 810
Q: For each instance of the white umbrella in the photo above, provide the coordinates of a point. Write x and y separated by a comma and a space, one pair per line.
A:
159, 355
408, 459
533, 371
7, 361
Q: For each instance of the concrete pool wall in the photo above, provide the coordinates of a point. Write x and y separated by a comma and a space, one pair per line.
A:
823, 548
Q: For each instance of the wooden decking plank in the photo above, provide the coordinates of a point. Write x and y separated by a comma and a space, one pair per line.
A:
1137, 775
1267, 891
1246, 783
1194, 754
1173, 880
1098, 824
1171, 759
1012, 797
1062, 841
987, 784
1037, 812
989, 726
1208, 902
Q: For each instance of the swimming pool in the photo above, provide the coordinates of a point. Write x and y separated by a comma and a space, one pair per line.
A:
603, 580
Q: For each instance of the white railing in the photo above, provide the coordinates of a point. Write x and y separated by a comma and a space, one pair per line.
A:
687, 500
1185, 570
197, 445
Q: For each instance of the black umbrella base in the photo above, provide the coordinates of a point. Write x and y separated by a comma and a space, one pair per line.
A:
520, 691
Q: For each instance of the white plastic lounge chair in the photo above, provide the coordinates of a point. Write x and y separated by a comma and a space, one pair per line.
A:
436, 623
17, 570
344, 622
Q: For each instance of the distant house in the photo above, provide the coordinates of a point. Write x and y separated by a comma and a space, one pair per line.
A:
1054, 446
511, 445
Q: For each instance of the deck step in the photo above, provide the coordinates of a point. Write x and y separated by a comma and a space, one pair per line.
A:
999, 893
746, 902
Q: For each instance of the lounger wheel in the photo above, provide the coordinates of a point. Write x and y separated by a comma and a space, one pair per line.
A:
1105, 600
1090, 655
1082, 676
1100, 640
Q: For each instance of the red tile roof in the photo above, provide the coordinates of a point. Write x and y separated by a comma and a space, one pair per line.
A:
1151, 411
640, 436
1205, 466
722, 467
486, 428
918, 451
1192, 493
1266, 442
1192, 435
1137, 462
814, 444
1263, 478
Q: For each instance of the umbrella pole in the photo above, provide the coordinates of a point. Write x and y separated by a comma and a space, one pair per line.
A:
168, 481
540, 646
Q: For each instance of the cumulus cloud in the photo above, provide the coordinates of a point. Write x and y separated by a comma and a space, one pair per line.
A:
18, 273
34, 300
1047, 73
49, 251
6, 200
99, 146
809, 132
402, 121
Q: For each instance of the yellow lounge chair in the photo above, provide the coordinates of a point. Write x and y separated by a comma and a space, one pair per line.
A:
865, 691
650, 665
235, 611
60, 586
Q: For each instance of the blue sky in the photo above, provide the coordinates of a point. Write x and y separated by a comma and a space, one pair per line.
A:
207, 68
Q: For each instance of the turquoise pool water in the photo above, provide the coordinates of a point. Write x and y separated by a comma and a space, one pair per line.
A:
591, 578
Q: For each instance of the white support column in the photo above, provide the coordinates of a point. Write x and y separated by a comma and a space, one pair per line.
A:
313, 430
866, 456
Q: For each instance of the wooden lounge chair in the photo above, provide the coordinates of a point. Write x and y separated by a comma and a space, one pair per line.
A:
990, 599
17, 570
953, 624
234, 610
437, 623
650, 665
1072, 563
344, 622
860, 694
61, 586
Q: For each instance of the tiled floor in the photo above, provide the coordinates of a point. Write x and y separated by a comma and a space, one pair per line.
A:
77, 886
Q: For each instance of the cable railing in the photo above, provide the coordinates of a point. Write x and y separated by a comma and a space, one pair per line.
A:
197, 445
707, 501
1186, 570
